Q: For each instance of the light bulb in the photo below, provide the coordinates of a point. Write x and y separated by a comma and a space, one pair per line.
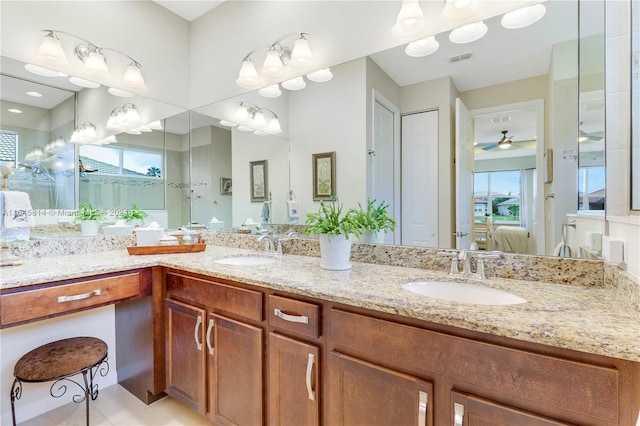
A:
272, 66
133, 78
248, 76
301, 57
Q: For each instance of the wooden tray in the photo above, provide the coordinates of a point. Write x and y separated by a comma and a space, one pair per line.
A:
180, 248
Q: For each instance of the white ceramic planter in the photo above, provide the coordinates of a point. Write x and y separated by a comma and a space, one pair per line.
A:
372, 237
335, 254
89, 227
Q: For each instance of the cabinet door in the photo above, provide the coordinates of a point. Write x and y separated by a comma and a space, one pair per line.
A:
293, 382
362, 393
186, 361
235, 372
470, 410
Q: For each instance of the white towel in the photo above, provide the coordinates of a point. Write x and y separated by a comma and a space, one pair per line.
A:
16, 210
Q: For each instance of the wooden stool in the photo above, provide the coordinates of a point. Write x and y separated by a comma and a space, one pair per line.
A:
58, 361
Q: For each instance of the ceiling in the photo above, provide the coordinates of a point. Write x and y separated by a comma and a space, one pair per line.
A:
189, 9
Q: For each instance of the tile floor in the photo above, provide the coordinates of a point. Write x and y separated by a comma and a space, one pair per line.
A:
117, 407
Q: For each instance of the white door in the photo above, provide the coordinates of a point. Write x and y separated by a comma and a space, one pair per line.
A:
464, 176
383, 157
420, 179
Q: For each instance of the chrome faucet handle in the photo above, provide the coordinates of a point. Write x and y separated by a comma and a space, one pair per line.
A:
453, 270
480, 268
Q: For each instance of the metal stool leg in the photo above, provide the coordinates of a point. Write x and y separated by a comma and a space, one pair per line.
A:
87, 394
16, 392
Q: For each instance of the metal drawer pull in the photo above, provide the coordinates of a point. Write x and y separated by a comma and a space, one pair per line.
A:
291, 318
458, 411
209, 336
195, 333
310, 362
93, 293
423, 403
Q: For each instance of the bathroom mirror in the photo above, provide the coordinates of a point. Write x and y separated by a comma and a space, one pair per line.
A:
36, 122
223, 157
635, 105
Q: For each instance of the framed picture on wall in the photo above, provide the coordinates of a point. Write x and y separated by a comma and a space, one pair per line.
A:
225, 186
259, 183
324, 176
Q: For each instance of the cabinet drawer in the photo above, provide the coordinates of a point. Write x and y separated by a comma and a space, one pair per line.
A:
29, 305
547, 381
234, 300
294, 315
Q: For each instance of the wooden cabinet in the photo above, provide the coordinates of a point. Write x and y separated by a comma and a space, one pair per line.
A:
471, 410
293, 382
363, 393
214, 361
235, 371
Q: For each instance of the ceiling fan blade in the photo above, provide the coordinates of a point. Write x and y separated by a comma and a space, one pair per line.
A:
490, 146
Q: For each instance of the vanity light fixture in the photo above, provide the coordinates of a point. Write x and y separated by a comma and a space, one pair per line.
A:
422, 47
280, 61
523, 17
251, 118
51, 52
410, 21
85, 134
459, 11
127, 119
468, 33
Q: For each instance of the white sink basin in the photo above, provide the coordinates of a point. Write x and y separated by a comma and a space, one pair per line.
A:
463, 293
251, 260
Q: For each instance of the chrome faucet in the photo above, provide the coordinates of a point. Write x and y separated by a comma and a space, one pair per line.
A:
293, 234
269, 245
463, 255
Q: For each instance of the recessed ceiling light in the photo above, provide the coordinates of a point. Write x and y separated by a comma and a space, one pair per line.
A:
35, 94
120, 93
84, 83
41, 71
15, 110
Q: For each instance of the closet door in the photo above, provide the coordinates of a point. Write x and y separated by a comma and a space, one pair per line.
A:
420, 179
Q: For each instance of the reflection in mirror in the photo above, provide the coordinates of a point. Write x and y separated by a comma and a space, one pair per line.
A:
221, 156
36, 123
635, 105
178, 189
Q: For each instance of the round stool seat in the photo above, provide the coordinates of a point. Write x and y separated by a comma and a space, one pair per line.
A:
60, 358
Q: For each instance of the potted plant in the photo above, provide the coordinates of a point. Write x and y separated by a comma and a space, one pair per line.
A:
134, 216
374, 221
334, 229
89, 218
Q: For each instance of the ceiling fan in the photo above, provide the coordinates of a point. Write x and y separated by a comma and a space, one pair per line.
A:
504, 143
588, 137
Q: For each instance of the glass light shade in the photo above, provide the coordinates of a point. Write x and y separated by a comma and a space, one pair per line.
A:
459, 11
259, 120
132, 116
242, 114
112, 123
296, 83
121, 119
301, 57
96, 65
320, 76
468, 33
248, 76
505, 145
120, 93
423, 47
272, 91
274, 126
133, 78
410, 21
84, 83
227, 123
41, 71
51, 50
155, 125
245, 129
523, 17
273, 67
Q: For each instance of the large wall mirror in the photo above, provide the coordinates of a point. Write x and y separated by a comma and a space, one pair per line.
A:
635, 105
547, 99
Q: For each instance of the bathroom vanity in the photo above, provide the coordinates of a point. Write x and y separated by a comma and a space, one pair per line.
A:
290, 343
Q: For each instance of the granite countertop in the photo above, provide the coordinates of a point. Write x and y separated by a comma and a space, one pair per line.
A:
573, 317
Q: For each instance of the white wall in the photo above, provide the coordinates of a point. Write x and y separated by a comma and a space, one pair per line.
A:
330, 117
17, 341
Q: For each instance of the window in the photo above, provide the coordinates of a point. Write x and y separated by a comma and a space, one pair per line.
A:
591, 188
497, 195
8, 148
121, 161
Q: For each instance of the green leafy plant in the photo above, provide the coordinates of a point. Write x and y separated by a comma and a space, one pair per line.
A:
87, 212
375, 218
330, 220
134, 213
